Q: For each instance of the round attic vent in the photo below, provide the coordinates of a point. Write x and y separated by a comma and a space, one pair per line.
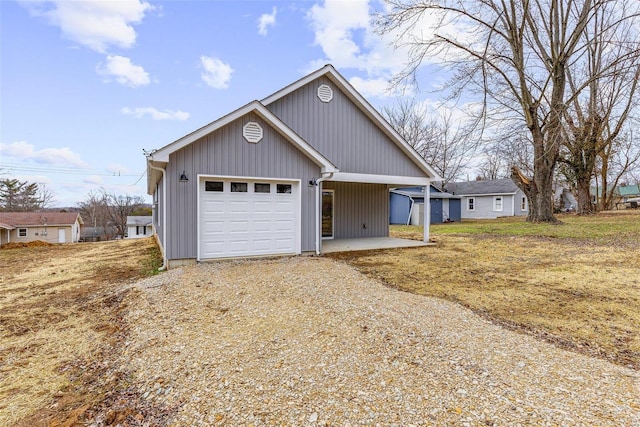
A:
325, 93
252, 132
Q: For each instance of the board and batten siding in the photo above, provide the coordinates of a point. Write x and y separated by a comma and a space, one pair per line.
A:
158, 214
225, 152
342, 132
356, 206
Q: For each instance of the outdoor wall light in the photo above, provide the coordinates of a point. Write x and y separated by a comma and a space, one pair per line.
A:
183, 177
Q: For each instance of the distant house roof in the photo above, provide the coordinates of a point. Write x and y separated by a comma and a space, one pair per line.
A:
434, 194
26, 219
482, 188
139, 220
628, 190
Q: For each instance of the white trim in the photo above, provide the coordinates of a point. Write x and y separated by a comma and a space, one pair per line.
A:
427, 212
364, 105
467, 204
325, 93
380, 179
333, 217
495, 199
202, 177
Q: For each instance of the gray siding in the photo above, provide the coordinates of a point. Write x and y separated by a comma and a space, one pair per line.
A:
484, 207
356, 205
225, 152
341, 132
158, 214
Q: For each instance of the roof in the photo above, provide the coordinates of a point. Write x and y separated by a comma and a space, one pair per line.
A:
139, 220
420, 194
482, 188
160, 157
16, 219
628, 190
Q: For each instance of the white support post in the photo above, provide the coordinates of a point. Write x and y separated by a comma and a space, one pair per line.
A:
427, 210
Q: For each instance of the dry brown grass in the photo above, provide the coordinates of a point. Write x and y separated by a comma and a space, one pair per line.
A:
57, 315
580, 293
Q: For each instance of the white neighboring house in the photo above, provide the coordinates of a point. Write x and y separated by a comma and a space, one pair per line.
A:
139, 226
489, 199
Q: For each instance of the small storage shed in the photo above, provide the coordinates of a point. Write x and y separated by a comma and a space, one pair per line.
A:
407, 204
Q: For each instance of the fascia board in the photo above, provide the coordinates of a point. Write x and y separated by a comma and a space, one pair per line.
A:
379, 179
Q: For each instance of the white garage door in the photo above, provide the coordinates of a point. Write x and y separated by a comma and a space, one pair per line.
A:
247, 217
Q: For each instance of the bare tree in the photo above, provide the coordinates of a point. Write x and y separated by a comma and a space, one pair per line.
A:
518, 55
614, 162
604, 84
120, 207
109, 211
447, 146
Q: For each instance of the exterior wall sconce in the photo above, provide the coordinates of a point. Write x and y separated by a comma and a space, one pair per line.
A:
183, 177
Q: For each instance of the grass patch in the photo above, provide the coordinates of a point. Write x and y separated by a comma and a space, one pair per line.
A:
575, 284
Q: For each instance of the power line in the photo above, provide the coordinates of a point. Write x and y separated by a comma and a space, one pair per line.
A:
62, 170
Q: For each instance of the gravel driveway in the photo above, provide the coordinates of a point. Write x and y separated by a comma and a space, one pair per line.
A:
311, 341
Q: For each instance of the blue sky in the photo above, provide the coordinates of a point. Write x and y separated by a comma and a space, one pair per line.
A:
85, 86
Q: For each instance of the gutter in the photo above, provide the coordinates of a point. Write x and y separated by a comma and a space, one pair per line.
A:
324, 177
165, 262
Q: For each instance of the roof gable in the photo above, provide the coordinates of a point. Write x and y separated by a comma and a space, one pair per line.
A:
330, 73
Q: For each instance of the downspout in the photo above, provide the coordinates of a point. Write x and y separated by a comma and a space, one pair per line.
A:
324, 177
410, 209
165, 262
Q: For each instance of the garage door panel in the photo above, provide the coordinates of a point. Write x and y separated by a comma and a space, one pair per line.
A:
245, 224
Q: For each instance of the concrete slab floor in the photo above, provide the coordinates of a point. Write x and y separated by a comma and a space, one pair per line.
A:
370, 243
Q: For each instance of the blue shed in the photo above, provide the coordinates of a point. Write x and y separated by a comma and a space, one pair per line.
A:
406, 206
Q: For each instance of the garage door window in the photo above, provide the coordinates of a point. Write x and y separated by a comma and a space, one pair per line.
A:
238, 187
284, 188
214, 186
261, 188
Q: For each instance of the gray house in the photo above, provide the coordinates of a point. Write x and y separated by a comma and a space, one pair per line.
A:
489, 199
406, 206
312, 161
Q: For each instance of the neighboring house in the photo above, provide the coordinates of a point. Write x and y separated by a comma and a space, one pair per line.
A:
627, 196
98, 234
489, 199
139, 226
312, 161
406, 206
51, 227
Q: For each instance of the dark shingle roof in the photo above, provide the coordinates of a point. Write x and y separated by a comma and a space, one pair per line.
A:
495, 186
139, 220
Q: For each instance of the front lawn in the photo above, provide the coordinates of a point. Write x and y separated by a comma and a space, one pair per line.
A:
576, 284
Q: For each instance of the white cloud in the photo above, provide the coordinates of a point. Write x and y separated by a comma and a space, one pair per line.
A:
216, 73
96, 24
93, 180
124, 71
22, 150
372, 87
265, 21
155, 114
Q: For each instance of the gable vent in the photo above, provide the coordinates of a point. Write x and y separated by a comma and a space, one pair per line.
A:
252, 132
325, 93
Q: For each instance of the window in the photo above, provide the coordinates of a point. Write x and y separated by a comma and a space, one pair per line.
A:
497, 203
284, 188
238, 187
523, 204
471, 203
213, 186
22, 232
261, 188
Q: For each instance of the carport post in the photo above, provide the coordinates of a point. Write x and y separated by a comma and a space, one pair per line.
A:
427, 210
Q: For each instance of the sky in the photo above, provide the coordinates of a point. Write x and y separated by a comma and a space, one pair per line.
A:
86, 86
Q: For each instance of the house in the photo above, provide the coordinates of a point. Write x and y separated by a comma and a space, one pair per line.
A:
489, 199
406, 206
139, 226
312, 161
627, 196
51, 227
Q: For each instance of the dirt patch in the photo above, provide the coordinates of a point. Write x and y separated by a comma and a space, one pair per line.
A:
18, 245
60, 323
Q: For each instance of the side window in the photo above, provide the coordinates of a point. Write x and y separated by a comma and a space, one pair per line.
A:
471, 204
22, 232
214, 186
523, 204
283, 188
238, 187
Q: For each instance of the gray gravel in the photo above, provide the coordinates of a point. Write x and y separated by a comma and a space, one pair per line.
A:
311, 341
